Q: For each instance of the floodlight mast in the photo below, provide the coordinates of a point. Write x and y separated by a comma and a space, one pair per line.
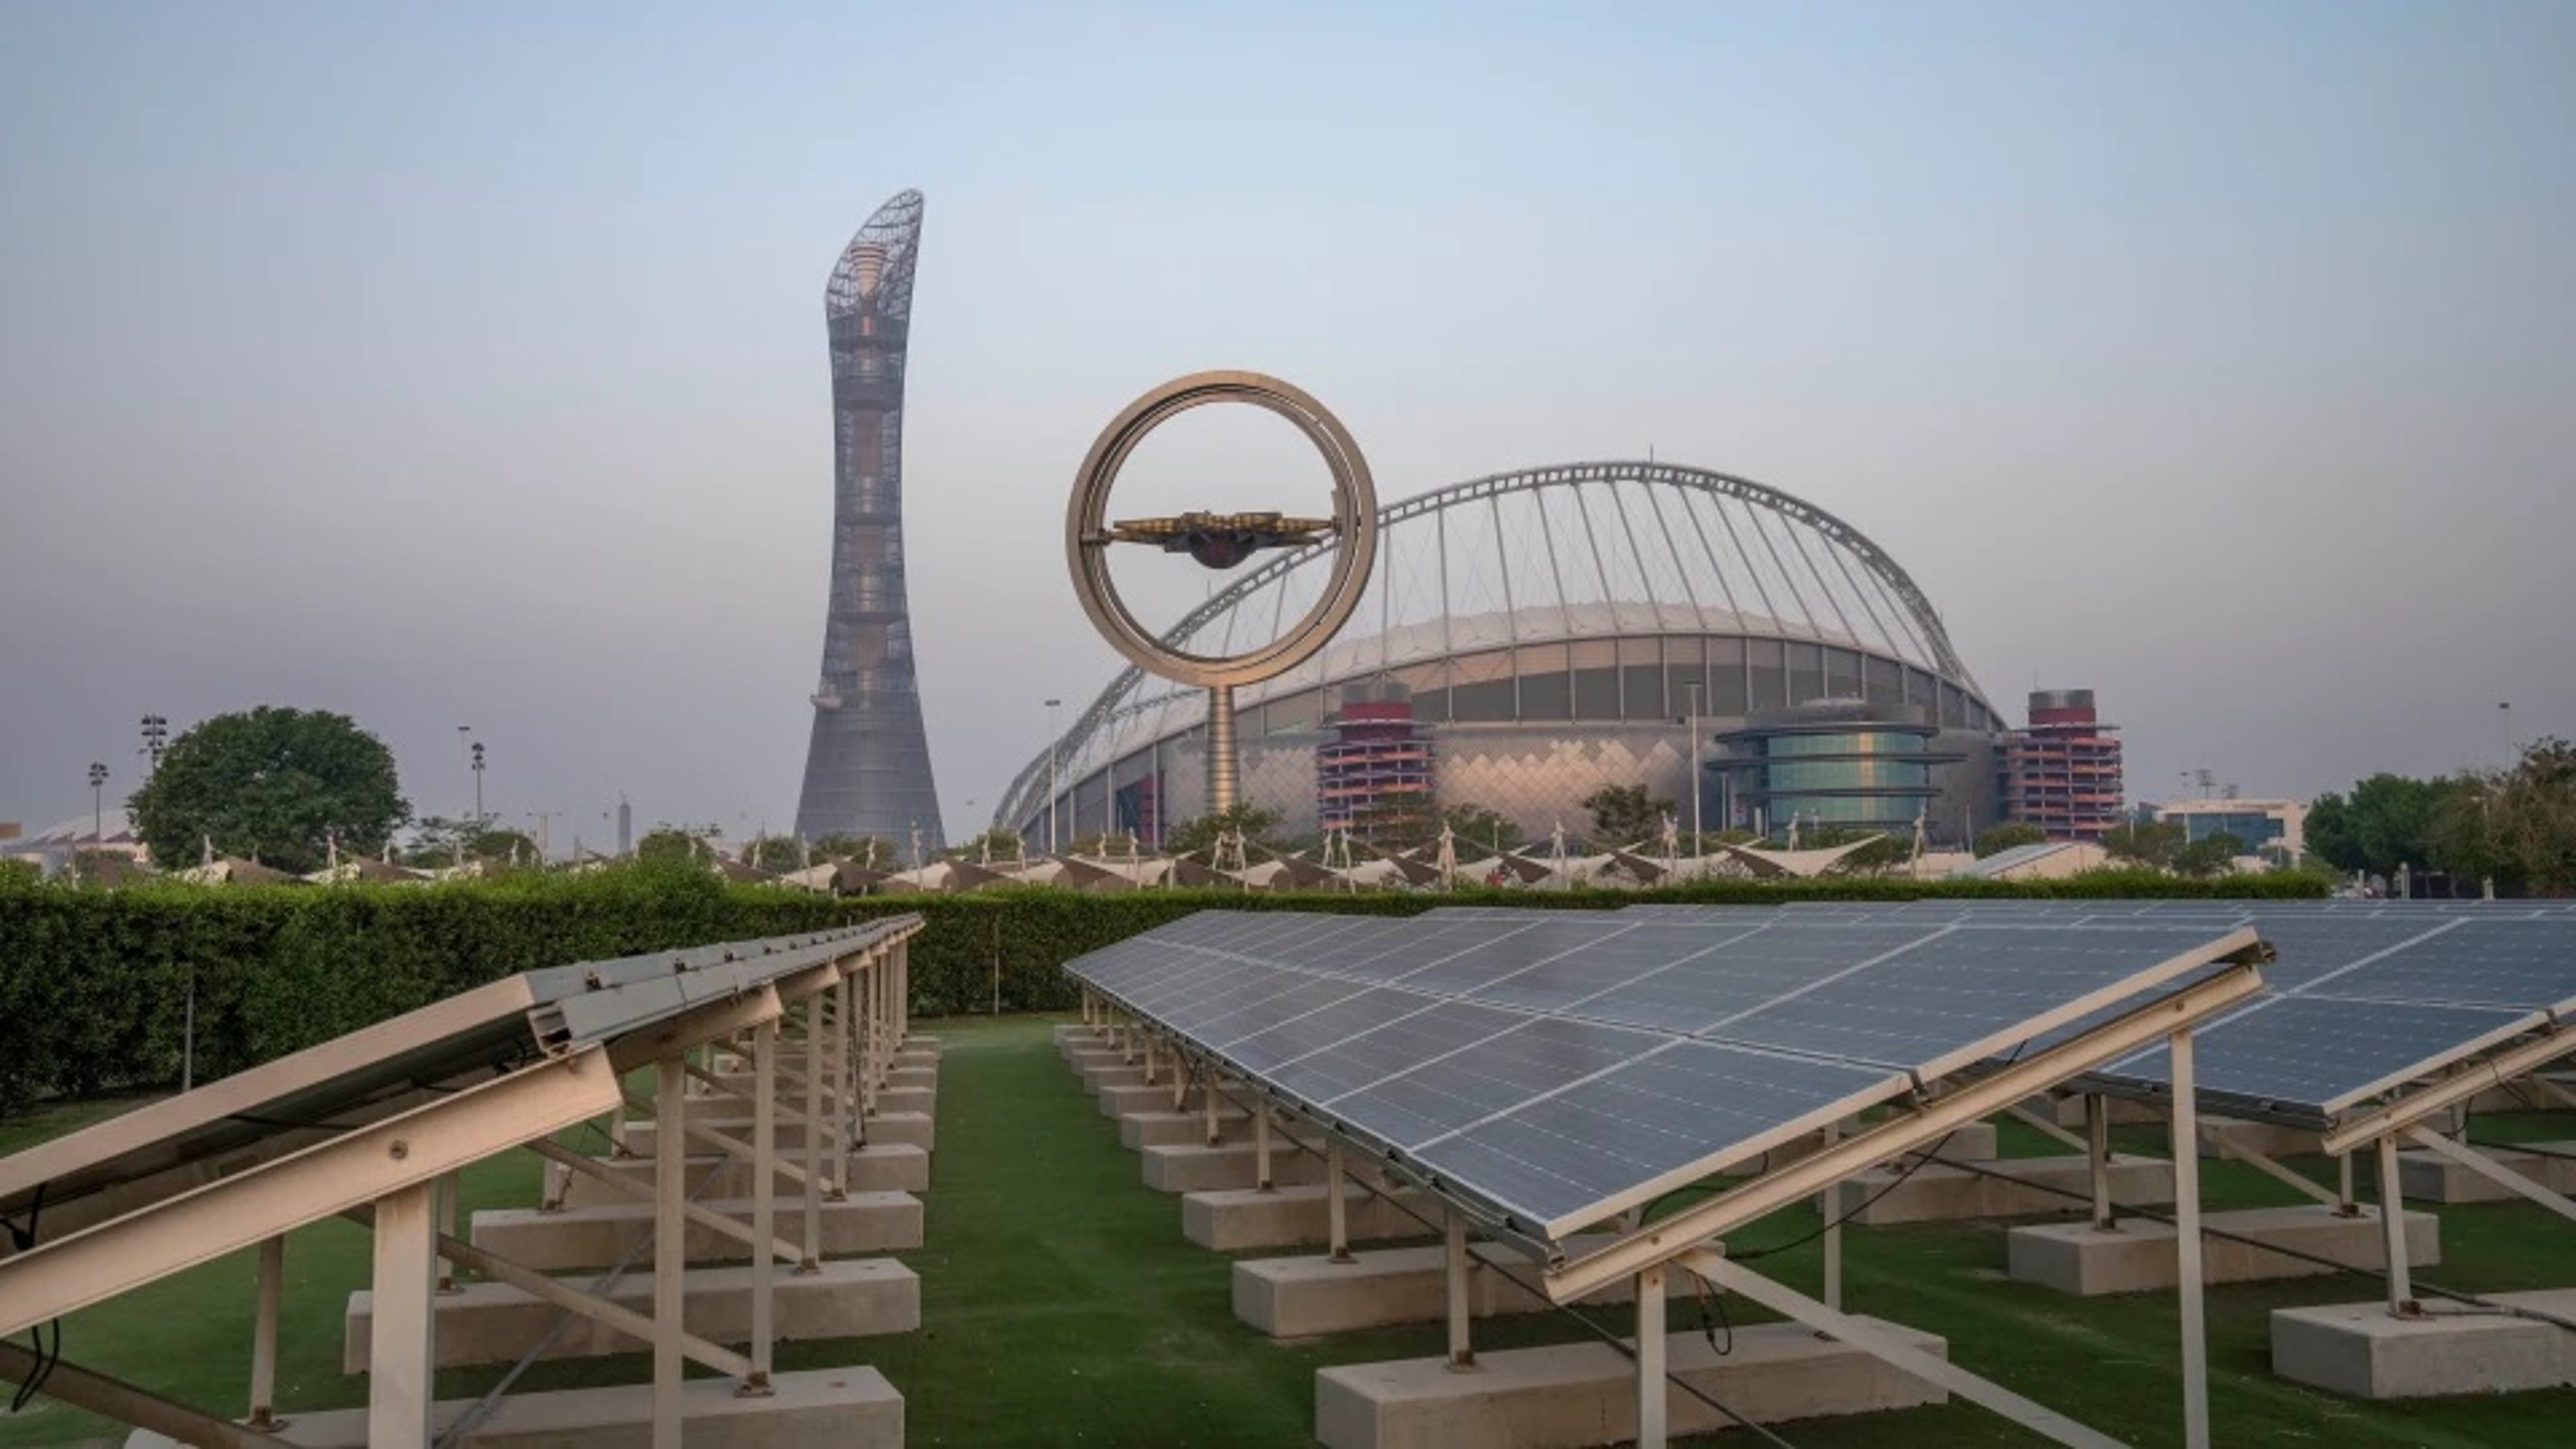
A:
1221, 541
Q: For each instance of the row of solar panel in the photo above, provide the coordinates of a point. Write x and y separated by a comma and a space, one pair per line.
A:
1565, 1067
2364, 996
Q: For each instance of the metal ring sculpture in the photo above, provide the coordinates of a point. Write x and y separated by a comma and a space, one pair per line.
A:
1086, 537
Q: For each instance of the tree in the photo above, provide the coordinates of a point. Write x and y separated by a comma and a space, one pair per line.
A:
439, 842
1397, 820
270, 783
1251, 821
2385, 822
1624, 815
1005, 845
2151, 843
776, 854
668, 844
2212, 854
2007, 837
2514, 827
867, 851
1480, 828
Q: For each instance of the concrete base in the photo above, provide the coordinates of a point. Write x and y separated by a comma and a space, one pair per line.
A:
887, 1125
1119, 1099
911, 1056
854, 1408
1197, 1167
594, 1237
918, 1079
1934, 1193
924, 1100
893, 1167
2139, 1255
1237, 1219
1113, 1073
1584, 1394
1302, 1297
2361, 1350
1140, 1130
2426, 1177
496, 1323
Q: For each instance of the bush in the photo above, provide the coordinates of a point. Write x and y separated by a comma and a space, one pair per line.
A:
93, 982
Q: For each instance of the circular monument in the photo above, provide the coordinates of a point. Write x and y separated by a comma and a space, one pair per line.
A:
1221, 541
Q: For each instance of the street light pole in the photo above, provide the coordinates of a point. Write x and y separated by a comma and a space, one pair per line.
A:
97, 806
156, 736
478, 784
1693, 689
2504, 711
1051, 781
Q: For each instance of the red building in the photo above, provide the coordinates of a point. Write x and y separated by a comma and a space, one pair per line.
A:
1373, 775
2062, 774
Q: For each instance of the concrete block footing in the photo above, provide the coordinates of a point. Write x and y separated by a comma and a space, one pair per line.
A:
1118, 1099
1585, 1393
924, 1100
887, 1124
1286, 1217
1114, 1073
1197, 1167
891, 1167
2139, 1256
2269, 1138
594, 1237
2427, 1177
2361, 1349
1303, 1297
2069, 1111
851, 1407
1140, 1130
496, 1323
1933, 1192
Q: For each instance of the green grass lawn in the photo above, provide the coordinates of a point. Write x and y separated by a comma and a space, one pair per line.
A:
1061, 1305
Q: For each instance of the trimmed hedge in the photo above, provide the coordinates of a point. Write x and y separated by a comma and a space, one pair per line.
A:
92, 982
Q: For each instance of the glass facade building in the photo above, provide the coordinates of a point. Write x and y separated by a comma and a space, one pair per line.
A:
1835, 763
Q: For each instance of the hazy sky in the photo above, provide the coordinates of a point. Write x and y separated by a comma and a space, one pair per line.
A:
464, 364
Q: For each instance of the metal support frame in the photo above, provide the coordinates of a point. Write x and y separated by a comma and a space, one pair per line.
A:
1981, 1097
1261, 1178
1207, 1105
2492, 1170
401, 1347
129, 1404
2347, 1204
843, 1095
2097, 1156
670, 1264
698, 1213
2392, 1234
2460, 1086
1652, 1396
2048, 1129
811, 1259
764, 1205
263, 1337
2269, 1166
1880, 1344
1462, 1350
2185, 1137
1337, 1216
370, 1162
1833, 1221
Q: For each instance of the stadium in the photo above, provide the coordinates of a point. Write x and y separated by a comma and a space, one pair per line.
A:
1532, 637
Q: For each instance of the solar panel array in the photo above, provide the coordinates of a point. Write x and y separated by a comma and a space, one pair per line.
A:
2365, 995
1561, 1067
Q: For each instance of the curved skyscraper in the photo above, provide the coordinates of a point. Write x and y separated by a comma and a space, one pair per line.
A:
867, 771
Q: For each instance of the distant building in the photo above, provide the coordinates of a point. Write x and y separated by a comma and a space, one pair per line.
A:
1373, 769
1847, 764
2062, 773
53, 849
1560, 630
2264, 826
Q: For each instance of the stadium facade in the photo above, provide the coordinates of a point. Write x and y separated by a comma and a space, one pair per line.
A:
867, 769
1549, 629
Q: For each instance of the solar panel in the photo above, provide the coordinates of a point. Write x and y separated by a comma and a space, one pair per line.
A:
2525, 963
1621, 1139
1553, 1054
2310, 1057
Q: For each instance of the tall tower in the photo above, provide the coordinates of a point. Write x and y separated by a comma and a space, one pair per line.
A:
867, 771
